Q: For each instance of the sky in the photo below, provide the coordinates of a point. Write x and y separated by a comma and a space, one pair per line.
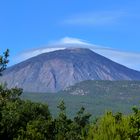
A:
31, 24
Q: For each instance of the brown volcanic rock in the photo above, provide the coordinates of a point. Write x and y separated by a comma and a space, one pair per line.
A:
53, 71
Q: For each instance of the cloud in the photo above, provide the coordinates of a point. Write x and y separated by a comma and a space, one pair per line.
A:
70, 40
129, 59
34, 52
95, 18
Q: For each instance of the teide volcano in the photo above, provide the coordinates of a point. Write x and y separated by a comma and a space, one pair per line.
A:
53, 71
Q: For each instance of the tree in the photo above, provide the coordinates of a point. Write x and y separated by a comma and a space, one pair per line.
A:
4, 61
61, 122
82, 121
71, 129
135, 124
110, 127
23, 118
82, 118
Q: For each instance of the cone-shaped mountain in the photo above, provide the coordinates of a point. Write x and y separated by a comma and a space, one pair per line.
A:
53, 71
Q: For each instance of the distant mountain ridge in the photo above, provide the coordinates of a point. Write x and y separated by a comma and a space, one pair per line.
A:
54, 71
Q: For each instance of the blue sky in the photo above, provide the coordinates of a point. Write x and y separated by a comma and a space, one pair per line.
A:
28, 24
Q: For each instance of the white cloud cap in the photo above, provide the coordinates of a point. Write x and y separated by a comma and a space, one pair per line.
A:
129, 59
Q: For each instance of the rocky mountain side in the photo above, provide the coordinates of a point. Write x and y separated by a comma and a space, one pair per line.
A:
54, 71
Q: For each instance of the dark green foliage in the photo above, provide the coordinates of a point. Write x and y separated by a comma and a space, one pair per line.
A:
26, 120
4, 61
135, 124
82, 119
18, 115
61, 123
68, 129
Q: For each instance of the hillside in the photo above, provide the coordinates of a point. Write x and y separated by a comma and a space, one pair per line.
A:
94, 87
101, 96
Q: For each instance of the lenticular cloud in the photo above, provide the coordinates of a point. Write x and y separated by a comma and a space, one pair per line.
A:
128, 59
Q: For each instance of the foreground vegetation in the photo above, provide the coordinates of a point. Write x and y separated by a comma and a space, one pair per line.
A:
26, 120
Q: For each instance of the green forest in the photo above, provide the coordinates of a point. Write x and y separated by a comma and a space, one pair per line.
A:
100, 96
27, 120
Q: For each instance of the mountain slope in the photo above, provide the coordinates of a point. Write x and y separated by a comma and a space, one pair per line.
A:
97, 88
96, 96
57, 70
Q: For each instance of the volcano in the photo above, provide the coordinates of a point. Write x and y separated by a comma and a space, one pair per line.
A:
54, 71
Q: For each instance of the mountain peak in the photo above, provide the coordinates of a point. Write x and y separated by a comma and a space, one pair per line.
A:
78, 49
